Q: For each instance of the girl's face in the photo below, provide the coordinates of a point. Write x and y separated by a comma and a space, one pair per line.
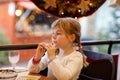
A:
59, 38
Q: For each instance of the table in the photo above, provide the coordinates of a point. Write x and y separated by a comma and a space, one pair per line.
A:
36, 75
23, 72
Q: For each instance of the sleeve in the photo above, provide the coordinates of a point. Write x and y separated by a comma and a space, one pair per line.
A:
36, 68
66, 72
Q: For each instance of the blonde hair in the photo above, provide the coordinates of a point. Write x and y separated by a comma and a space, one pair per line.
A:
71, 26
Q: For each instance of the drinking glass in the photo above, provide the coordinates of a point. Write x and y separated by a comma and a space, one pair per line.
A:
14, 57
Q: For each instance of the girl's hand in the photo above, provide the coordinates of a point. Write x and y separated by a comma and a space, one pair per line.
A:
51, 50
40, 51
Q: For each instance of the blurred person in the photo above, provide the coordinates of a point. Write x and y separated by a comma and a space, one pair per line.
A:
63, 56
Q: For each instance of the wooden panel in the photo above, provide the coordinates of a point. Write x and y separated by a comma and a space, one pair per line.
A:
117, 66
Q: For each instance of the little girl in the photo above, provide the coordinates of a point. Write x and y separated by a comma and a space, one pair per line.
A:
64, 62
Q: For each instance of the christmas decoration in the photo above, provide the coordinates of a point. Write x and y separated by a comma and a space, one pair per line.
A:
69, 8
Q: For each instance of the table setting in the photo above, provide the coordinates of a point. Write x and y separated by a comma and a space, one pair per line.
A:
15, 72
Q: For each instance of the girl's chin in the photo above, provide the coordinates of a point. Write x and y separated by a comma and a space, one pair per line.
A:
55, 46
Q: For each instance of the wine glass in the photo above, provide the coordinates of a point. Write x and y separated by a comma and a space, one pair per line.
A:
14, 57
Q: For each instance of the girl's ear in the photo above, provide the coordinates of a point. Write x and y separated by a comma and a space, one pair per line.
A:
72, 37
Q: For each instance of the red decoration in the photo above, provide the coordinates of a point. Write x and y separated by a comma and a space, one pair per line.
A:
69, 8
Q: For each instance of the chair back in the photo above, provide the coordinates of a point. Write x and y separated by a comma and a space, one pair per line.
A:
101, 66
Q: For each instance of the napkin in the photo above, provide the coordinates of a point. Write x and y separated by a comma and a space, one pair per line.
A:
29, 77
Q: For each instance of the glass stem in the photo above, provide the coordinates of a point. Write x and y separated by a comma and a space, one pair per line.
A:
13, 66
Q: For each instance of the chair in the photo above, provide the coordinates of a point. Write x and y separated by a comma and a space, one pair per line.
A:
44, 72
84, 77
101, 66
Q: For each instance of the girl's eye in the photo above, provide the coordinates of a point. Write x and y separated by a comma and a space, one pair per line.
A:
58, 33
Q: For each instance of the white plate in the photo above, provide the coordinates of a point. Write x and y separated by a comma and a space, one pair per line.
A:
17, 68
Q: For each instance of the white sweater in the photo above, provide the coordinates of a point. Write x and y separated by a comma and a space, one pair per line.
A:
61, 68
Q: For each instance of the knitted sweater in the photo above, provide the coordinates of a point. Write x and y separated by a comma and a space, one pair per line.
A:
60, 68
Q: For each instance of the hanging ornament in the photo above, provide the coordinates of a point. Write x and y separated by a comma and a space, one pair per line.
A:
50, 3
69, 8
84, 6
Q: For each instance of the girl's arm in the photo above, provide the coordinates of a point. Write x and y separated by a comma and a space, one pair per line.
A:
38, 62
37, 67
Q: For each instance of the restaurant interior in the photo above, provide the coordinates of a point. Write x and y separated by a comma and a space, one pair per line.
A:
25, 23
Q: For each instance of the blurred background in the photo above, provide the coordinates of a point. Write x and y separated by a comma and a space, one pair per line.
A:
21, 22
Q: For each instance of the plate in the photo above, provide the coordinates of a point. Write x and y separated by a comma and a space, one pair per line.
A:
7, 74
17, 69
